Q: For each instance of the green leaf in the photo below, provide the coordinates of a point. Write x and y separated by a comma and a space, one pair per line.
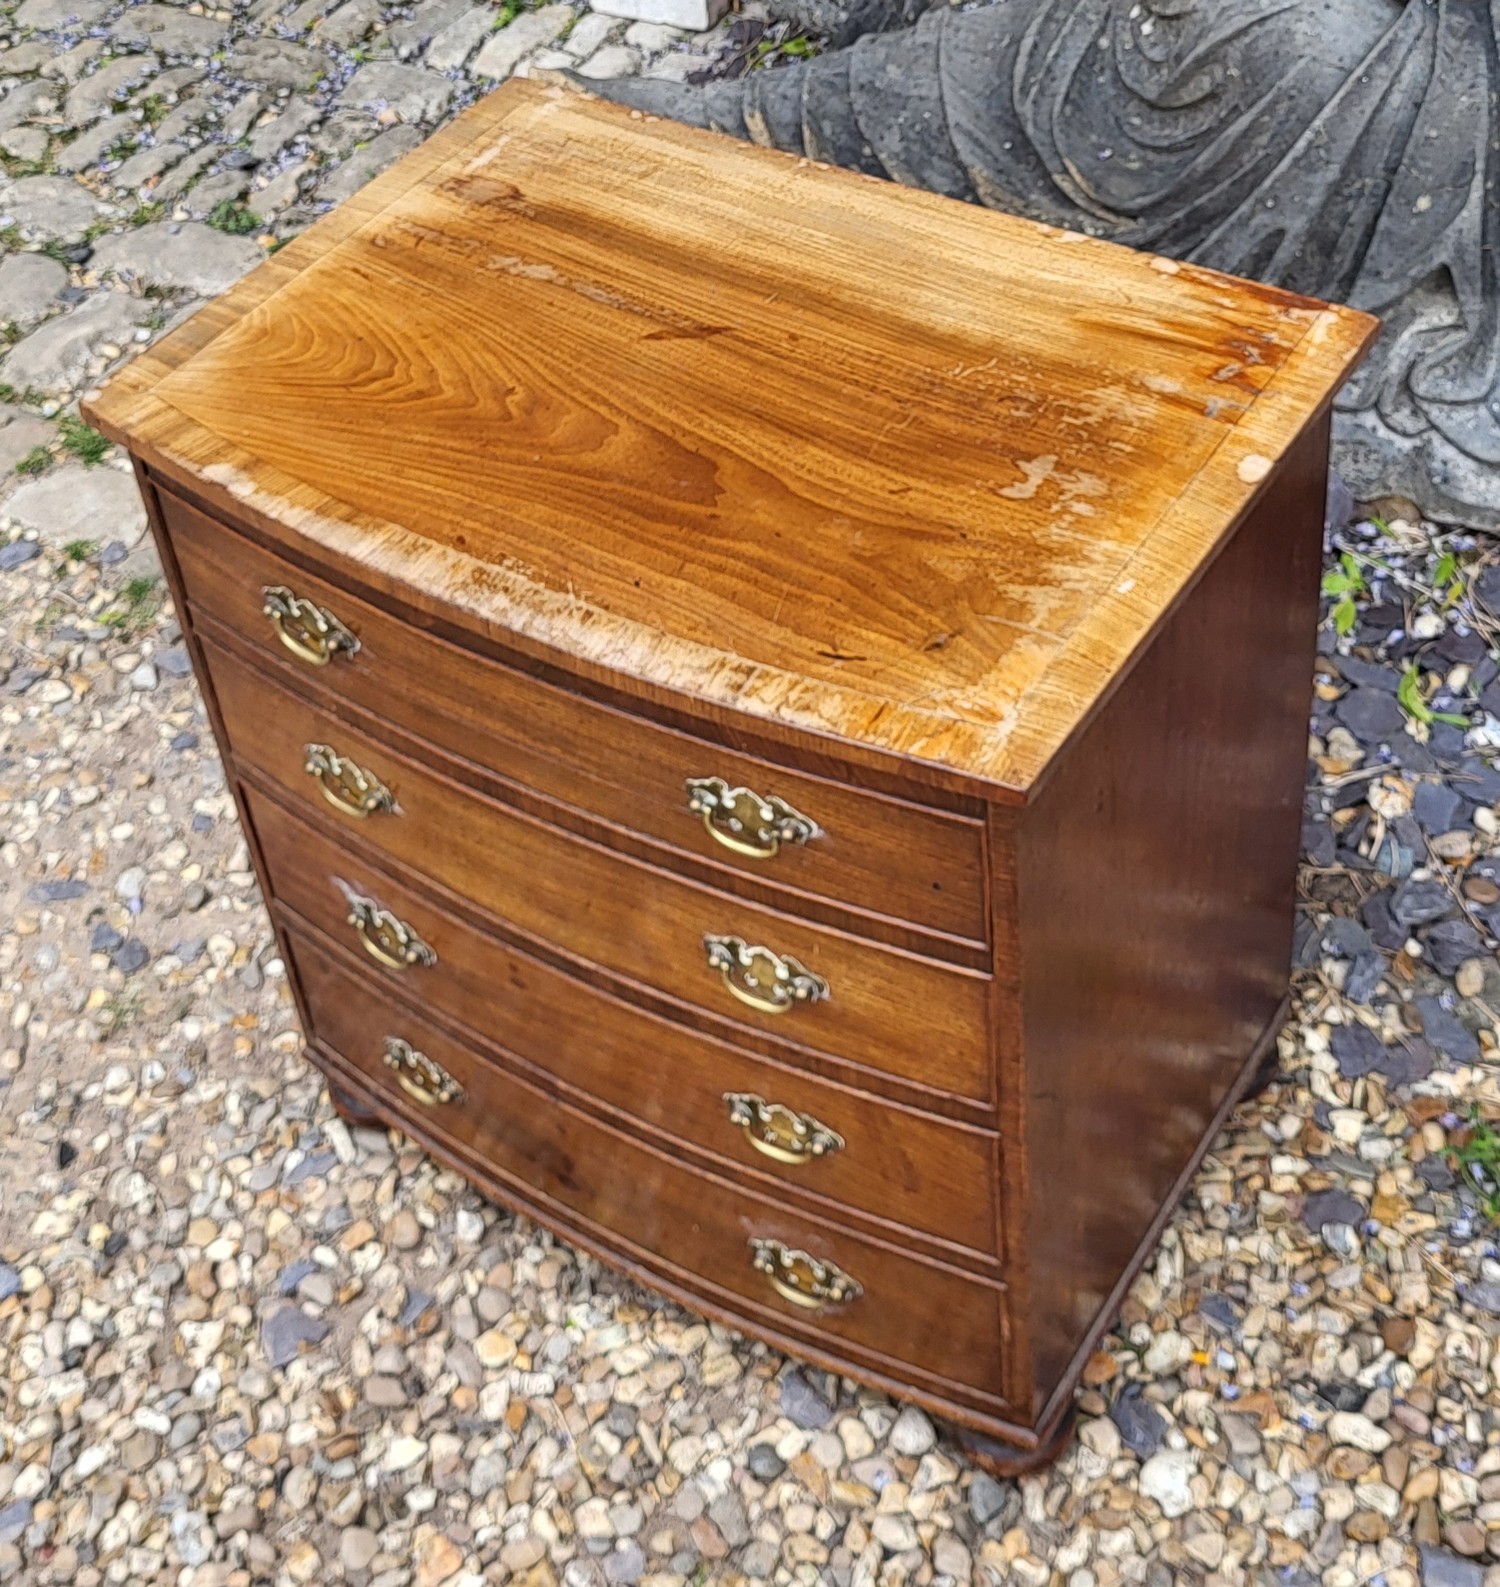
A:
82, 441
1477, 1157
232, 218
1336, 583
1446, 568
1345, 615
1449, 717
1409, 696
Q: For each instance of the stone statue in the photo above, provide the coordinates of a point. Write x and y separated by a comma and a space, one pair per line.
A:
1345, 148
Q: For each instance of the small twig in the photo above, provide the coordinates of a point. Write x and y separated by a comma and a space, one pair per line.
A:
1429, 1258
1344, 778
1401, 579
1445, 875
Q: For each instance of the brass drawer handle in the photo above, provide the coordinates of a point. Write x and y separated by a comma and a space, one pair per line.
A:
770, 982
345, 786
387, 939
309, 631
745, 822
802, 1279
420, 1077
780, 1133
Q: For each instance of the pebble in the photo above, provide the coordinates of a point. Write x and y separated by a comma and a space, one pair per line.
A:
1371, 715
18, 553
764, 1464
357, 1547
1241, 1436
405, 1453
299, 1487
139, 1450
439, 1560
131, 883
495, 1349
1336, 1207
303, 1562
626, 1564
1166, 1352
14, 1519
286, 1333
405, 1233
1440, 1568
986, 1497
384, 1392
912, 1433
1349, 1427
130, 956
1485, 1296
1140, 1424
1167, 1478
802, 1403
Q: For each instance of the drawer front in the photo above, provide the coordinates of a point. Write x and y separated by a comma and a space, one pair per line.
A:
891, 1163
886, 1010
873, 854
930, 1318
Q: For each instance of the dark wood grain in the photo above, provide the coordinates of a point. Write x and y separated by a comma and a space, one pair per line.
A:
881, 856
886, 1010
960, 1407
1156, 876
897, 1165
939, 1323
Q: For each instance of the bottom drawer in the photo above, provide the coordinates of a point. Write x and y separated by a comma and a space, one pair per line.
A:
704, 1232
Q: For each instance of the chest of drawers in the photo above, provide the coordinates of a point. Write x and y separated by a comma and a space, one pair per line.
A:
769, 711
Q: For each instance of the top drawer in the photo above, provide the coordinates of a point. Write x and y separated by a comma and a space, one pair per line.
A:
871, 854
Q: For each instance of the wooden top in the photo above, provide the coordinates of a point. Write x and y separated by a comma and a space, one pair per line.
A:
740, 432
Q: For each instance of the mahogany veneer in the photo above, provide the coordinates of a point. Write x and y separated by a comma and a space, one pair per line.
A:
584, 472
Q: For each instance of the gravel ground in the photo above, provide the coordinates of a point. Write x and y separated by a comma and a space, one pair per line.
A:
239, 1344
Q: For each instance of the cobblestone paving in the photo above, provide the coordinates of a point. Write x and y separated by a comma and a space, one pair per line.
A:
158, 149
240, 1345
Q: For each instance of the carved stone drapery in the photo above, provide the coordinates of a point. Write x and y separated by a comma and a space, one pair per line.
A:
1343, 148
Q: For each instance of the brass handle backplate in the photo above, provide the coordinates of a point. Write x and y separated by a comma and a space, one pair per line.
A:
386, 938
770, 982
780, 1133
744, 821
309, 631
801, 1279
345, 786
420, 1077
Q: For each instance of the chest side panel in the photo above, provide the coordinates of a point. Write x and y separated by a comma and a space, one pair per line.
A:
1156, 882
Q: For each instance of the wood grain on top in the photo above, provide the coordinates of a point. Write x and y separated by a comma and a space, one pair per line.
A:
741, 431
